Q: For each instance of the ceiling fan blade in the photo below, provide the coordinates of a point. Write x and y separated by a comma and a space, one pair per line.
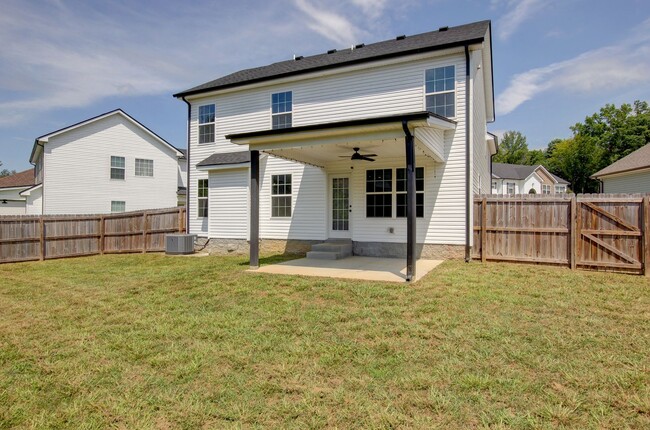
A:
370, 155
363, 157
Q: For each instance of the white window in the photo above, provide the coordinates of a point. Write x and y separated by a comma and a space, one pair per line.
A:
560, 189
510, 187
206, 123
546, 189
203, 197
281, 109
117, 167
440, 86
494, 186
400, 190
143, 167
118, 206
281, 195
379, 193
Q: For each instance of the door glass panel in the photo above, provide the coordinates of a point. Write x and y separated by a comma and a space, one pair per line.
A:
340, 204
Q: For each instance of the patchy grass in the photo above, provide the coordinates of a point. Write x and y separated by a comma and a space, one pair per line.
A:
148, 341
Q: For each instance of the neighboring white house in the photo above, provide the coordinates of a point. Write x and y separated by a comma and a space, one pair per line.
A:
314, 120
11, 202
522, 179
109, 163
630, 174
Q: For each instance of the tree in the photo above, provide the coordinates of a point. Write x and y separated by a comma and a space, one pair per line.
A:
512, 148
6, 172
575, 159
535, 157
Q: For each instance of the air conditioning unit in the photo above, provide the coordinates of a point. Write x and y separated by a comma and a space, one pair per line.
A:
179, 244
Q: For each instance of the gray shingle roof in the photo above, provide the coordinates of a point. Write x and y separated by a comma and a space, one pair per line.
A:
431, 41
518, 172
638, 159
224, 158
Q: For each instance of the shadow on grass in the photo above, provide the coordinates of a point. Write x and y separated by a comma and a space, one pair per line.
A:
272, 259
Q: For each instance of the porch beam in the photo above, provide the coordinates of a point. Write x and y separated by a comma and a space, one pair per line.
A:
410, 202
255, 211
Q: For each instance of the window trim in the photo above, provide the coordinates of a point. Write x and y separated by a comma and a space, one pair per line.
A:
200, 198
200, 124
424, 189
280, 113
394, 192
123, 202
135, 170
424, 89
290, 195
123, 169
547, 187
514, 188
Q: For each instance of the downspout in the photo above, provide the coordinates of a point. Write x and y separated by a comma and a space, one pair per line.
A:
468, 191
37, 143
187, 189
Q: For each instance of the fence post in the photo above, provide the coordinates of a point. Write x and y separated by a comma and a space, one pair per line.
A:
572, 233
483, 230
42, 238
102, 229
180, 219
144, 232
645, 237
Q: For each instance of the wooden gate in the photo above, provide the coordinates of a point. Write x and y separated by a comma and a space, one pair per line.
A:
609, 233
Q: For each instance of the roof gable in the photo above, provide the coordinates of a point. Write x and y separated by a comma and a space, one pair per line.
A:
521, 172
39, 141
445, 38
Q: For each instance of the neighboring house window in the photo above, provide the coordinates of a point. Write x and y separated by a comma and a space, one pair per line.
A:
400, 189
494, 186
560, 188
440, 85
510, 187
206, 123
546, 189
379, 193
117, 167
281, 109
118, 206
143, 167
203, 198
281, 195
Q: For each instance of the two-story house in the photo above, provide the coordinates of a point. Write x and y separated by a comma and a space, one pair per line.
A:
522, 179
109, 163
382, 145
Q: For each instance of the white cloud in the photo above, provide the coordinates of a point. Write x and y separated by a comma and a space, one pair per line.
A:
602, 70
329, 24
373, 9
519, 11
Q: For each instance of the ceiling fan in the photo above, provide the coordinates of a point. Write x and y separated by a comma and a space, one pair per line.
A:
357, 156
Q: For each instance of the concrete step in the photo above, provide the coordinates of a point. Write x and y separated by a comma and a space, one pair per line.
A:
322, 255
340, 241
333, 247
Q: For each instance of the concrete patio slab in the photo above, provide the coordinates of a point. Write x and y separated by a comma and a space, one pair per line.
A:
365, 268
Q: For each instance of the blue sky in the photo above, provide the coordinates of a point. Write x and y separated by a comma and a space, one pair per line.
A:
555, 61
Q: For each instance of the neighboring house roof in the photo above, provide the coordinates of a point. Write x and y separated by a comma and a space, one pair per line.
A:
639, 159
226, 158
182, 191
20, 179
444, 38
43, 139
182, 151
520, 172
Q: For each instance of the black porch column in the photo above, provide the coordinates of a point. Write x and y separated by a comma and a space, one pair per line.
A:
255, 211
410, 203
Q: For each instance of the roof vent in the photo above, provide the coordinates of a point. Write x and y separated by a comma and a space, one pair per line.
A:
331, 51
445, 28
297, 57
360, 45
401, 37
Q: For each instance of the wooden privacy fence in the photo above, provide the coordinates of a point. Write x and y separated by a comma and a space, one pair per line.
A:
26, 238
594, 231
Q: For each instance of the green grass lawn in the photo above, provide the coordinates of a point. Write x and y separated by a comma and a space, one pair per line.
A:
148, 341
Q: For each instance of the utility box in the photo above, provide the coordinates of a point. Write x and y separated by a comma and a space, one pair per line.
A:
179, 244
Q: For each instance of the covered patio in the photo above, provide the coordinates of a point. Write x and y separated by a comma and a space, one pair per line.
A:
322, 146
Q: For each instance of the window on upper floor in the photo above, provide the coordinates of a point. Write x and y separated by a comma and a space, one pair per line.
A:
440, 90
206, 123
143, 167
118, 206
118, 167
280, 196
202, 193
281, 109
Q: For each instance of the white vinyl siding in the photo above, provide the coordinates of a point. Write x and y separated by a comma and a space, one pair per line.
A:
228, 205
632, 182
78, 160
480, 148
374, 91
